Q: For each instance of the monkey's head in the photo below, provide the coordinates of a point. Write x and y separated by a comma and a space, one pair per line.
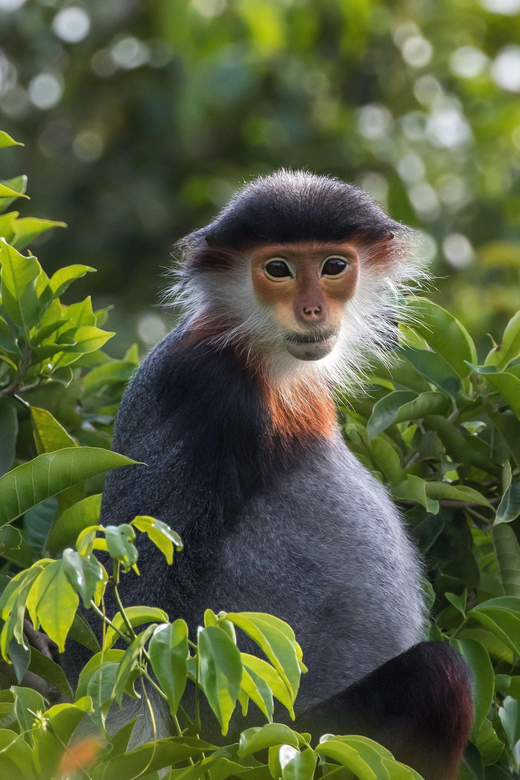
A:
297, 269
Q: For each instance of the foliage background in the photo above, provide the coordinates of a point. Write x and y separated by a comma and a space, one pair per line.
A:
140, 118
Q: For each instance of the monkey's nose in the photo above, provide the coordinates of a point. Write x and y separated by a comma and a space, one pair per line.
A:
313, 313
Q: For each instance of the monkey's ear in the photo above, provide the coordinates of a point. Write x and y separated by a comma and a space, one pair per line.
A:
210, 240
388, 237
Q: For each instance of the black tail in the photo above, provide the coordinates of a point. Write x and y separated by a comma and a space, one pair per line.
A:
418, 705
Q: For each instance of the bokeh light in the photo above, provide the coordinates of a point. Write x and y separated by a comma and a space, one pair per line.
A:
45, 90
71, 24
467, 62
11, 5
505, 70
457, 250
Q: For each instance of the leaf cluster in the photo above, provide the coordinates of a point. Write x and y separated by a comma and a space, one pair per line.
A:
441, 429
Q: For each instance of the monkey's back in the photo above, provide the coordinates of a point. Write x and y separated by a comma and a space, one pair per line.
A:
316, 542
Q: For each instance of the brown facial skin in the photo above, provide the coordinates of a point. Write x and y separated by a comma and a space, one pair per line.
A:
307, 305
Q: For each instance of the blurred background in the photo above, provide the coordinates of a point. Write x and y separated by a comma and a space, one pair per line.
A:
141, 117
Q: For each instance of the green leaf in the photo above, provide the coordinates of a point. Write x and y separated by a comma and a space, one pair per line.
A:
52, 603
37, 523
49, 474
49, 434
18, 287
509, 714
16, 757
256, 688
477, 657
278, 644
110, 373
86, 575
386, 458
300, 767
16, 188
12, 606
489, 745
6, 140
20, 656
503, 623
72, 521
220, 672
10, 539
507, 385
136, 616
160, 534
64, 718
26, 704
155, 756
434, 368
459, 602
510, 348
348, 756
6, 225
81, 632
120, 543
129, 661
373, 754
101, 659
455, 492
29, 228
414, 489
256, 739
385, 410
10, 192
443, 332
87, 339
168, 650
65, 276
8, 436
257, 667
50, 671
509, 507
401, 406
508, 557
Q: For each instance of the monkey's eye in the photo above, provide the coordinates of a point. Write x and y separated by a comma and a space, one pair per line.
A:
277, 269
333, 266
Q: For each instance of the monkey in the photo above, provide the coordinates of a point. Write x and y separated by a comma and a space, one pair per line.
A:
284, 296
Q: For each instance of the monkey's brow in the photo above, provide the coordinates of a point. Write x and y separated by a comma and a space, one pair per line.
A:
296, 247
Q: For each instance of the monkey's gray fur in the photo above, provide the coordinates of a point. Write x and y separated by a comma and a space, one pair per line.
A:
298, 529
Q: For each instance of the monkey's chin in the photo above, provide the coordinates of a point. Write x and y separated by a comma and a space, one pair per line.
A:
314, 350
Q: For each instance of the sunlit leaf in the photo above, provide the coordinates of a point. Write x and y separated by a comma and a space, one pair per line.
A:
6, 140
29, 228
63, 277
52, 603
136, 616
49, 434
168, 650
18, 287
220, 672
49, 474
160, 534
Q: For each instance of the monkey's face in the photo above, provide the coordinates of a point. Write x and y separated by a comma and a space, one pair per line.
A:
305, 288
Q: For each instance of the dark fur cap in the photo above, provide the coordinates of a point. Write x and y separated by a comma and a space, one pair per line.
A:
291, 206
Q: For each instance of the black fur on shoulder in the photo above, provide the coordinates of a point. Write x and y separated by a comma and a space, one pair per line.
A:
295, 206
219, 415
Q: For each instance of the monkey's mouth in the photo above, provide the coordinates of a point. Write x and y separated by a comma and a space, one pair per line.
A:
311, 346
